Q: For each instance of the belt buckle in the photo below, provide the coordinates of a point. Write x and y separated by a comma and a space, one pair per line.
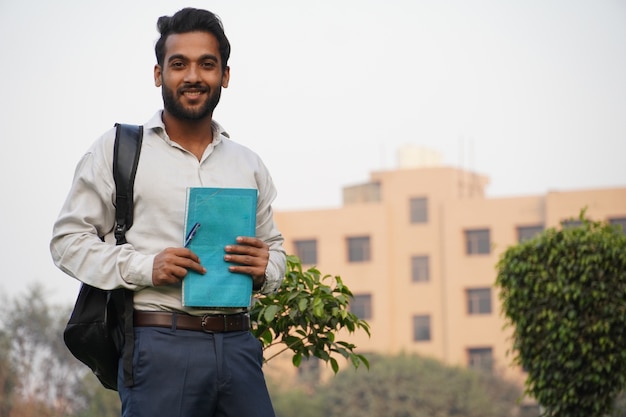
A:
205, 320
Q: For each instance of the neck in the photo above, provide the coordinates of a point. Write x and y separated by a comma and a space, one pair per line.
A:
193, 135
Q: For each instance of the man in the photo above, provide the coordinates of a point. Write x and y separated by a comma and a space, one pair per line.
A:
178, 369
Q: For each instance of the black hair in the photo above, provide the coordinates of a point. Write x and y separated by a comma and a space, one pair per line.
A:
192, 20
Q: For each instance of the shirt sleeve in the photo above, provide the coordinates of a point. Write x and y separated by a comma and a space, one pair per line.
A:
82, 243
268, 232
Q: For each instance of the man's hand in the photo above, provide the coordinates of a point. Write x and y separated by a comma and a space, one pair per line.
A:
250, 256
170, 266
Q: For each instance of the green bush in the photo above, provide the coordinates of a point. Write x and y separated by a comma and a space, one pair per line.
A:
564, 294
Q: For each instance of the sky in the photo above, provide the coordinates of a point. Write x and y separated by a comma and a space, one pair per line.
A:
530, 93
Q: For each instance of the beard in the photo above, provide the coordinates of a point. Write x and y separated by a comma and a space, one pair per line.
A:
174, 106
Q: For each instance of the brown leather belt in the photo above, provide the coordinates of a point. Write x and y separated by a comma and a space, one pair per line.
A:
210, 323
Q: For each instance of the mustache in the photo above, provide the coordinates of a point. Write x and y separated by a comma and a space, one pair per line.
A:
194, 87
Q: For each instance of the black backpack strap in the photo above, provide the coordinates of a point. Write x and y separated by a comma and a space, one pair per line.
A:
126, 152
126, 156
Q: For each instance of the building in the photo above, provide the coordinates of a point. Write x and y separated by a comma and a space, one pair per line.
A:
418, 248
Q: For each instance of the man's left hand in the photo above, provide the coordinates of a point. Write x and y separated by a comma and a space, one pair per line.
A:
250, 256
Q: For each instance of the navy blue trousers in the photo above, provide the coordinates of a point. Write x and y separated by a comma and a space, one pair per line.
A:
182, 373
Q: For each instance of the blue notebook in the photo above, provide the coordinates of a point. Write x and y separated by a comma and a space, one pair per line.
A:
222, 215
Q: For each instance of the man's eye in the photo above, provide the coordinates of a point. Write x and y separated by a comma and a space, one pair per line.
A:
209, 64
177, 65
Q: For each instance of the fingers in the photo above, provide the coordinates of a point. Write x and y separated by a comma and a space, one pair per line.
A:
171, 265
248, 251
250, 256
249, 246
251, 242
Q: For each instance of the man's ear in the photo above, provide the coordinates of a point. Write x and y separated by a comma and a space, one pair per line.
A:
158, 76
226, 77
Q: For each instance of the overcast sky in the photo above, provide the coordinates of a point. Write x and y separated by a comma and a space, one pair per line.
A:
529, 93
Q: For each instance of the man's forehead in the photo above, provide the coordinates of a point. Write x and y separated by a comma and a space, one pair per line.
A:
192, 45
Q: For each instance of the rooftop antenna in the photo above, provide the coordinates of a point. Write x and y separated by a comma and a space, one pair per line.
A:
461, 170
381, 154
472, 172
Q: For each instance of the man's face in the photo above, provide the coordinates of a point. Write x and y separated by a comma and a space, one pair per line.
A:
191, 77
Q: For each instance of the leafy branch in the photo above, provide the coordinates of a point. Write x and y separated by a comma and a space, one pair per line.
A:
305, 315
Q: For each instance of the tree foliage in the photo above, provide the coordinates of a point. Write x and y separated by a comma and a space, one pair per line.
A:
295, 400
564, 295
8, 375
41, 370
306, 314
96, 400
413, 386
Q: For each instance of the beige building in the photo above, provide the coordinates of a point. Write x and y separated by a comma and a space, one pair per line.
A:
418, 248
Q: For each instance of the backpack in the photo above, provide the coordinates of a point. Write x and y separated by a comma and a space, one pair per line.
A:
100, 328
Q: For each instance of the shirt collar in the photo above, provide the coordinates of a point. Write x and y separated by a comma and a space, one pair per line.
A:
156, 124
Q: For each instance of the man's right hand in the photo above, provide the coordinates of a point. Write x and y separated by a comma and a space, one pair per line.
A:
171, 265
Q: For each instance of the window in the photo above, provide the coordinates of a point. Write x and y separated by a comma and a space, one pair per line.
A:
306, 250
480, 358
477, 241
361, 306
358, 249
529, 410
419, 269
479, 301
570, 224
418, 208
619, 221
421, 328
528, 232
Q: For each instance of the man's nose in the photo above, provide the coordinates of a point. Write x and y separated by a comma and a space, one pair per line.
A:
192, 75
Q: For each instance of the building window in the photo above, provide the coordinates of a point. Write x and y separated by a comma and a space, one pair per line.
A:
359, 249
619, 221
571, 224
306, 250
419, 269
529, 410
480, 358
361, 306
421, 328
419, 210
477, 241
525, 233
479, 301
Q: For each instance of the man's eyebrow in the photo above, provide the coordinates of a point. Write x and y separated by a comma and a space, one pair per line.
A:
176, 56
209, 57
205, 57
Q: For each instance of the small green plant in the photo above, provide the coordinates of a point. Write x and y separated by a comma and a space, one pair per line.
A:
305, 315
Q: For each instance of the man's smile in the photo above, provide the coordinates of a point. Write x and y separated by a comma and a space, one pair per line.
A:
193, 93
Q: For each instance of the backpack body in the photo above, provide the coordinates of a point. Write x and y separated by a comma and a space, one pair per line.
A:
100, 328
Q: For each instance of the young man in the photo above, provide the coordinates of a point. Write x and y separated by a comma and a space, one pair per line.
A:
181, 367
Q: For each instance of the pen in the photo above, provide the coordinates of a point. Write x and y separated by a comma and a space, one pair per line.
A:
191, 234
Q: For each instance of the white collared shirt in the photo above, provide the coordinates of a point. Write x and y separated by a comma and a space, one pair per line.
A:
164, 172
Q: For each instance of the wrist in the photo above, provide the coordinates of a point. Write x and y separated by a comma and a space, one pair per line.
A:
260, 286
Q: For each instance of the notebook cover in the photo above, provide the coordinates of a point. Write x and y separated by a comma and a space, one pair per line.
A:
223, 214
